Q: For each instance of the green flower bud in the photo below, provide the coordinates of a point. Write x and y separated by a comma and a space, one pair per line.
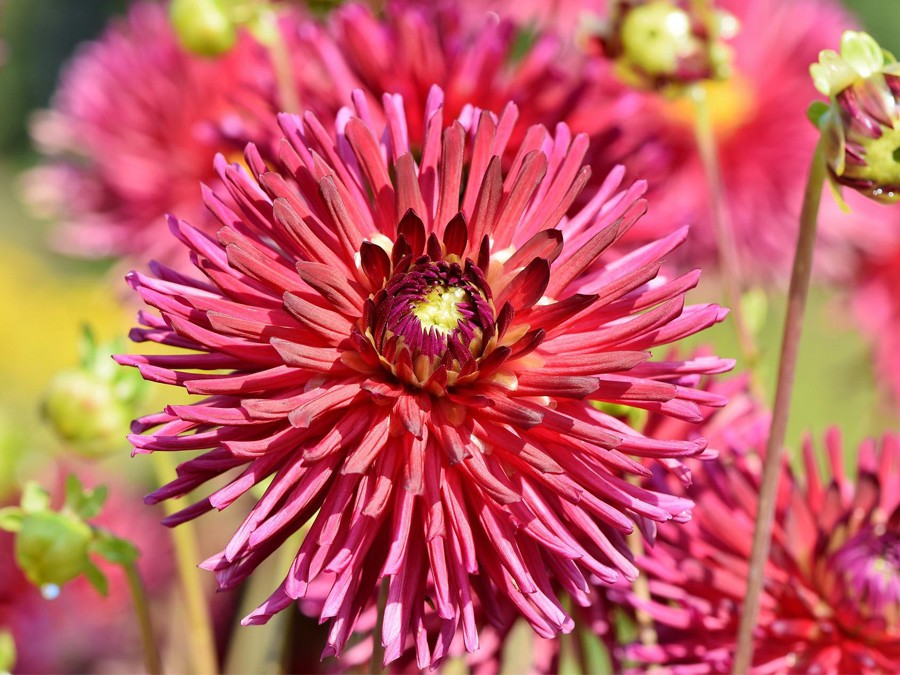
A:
52, 548
91, 407
85, 412
658, 44
203, 27
861, 125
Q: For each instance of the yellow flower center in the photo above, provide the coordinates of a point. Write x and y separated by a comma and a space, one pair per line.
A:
730, 105
439, 309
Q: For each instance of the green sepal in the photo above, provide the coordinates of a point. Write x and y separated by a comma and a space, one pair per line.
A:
96, 578
114, 549
85, 503
837, 193
11, 518
34, 498
815, 112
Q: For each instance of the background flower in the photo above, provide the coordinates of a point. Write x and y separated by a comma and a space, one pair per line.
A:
830, 602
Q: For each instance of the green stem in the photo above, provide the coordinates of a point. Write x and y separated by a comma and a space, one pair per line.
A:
729, 262
376, 665
141, 608
261, 649
790, 341
203, 648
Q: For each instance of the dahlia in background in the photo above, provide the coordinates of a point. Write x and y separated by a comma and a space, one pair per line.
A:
765, 146
876, 303
134, 124
415, 348
831, 601
136, 118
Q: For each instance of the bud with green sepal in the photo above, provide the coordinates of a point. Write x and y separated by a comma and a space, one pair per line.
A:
210, 27
861, 123
54, 547
91, 407
668, 44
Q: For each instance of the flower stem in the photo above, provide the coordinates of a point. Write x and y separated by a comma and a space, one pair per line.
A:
288, 98
793, 325
139, 595
203, 649
376, 665
729, 263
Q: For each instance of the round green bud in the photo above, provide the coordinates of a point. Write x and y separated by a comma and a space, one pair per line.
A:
203, 26
656, 36
87, 412
52, 548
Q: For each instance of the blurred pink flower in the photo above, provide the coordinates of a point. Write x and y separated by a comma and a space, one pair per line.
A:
414, 348
137, 120
134, 126
765, 147
876, 304
831, 602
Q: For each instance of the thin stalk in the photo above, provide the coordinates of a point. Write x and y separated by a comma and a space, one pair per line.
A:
729, 263
790, 341
376, 665
203, 648
141, 608
641, 586
262, 649
288, 97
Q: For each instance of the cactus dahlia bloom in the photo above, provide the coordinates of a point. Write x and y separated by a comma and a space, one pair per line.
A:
831, 602
413, 349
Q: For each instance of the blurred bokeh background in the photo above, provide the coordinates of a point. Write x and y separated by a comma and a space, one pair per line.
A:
45, 299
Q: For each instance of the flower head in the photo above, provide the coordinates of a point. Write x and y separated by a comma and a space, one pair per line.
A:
413, 351
659, 44
134, 123
764, 144
861, 126
122, 154
831, 602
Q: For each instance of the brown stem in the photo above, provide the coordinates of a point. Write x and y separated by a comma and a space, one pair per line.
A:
790, 341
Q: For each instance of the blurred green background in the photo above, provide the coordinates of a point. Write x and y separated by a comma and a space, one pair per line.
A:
46, 298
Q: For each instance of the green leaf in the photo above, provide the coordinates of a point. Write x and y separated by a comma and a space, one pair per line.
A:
34, 498
92, 501
74, 491
116, 550
11, 519
7, 651
97, 579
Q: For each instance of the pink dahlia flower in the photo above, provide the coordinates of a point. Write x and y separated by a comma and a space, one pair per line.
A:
136, 118
876, 302
414, 348
831, 602
765, 145
134, 124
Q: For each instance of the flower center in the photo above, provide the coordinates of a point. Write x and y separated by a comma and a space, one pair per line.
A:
869, 564
439, 309
434, 319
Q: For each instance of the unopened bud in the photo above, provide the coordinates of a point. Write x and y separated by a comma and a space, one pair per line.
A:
656, 44
203, 26
861, 125
52, 548
90, 407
